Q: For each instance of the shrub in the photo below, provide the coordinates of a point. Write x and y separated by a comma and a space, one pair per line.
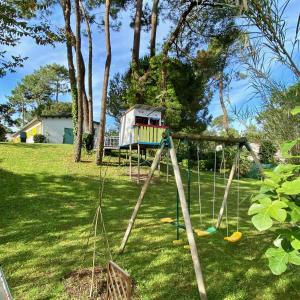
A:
39, 138
266, 152
88, 141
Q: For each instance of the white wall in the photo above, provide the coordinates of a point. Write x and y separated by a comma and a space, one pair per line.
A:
53, 129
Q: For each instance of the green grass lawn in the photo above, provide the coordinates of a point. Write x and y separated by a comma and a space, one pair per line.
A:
47, 204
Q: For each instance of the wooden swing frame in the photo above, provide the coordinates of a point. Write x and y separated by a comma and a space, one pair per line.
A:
184, 206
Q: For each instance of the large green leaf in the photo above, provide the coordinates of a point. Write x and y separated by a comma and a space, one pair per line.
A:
294, 257
295, 244
295, 111
276, 210
278, 260
262, 221
295, 213
287, 147
265, 210
290, 187
282, 168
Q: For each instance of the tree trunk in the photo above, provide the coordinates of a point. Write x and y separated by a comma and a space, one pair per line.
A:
154, 21
80, 84
137, 33
101, 134
85, 108
90, 71
66, 6
223, 106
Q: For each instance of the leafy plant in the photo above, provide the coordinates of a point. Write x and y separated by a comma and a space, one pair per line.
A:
39, 138
278, 201
88, 141
267, 151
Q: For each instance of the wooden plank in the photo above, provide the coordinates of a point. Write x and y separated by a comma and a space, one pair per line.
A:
199, 137
188, 224
141, 198
226, 193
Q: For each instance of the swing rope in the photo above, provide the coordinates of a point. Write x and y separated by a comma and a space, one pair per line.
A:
238, 190
199, 181
223, 162
214, 188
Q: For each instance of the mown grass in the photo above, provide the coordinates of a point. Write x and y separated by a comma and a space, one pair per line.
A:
47, 207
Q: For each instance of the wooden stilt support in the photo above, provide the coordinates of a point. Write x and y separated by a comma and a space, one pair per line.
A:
141, 197
226, 193
188, 224
159, 166
119, 156
168, 158
130, 161
139, 162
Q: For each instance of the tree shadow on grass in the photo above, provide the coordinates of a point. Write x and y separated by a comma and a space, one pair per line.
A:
45, 220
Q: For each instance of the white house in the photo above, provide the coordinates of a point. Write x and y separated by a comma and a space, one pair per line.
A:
141, 124
56, 129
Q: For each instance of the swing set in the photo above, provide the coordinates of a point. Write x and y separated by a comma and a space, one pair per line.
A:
167, 142
237, 235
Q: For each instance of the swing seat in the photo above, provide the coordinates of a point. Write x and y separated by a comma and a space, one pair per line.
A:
167, 220
235, 237
201, 233
211, 230
178, 242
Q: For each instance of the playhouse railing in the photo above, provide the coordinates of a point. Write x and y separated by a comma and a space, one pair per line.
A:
111, 142
147, 134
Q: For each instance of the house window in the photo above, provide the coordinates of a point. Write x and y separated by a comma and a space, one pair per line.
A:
154, 122
141, 120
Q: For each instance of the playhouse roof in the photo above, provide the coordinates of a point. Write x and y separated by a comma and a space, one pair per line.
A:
143, 106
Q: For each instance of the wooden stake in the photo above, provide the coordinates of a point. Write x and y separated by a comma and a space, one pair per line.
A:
130, 161
168, 156
139, 162
140, 199
188, 224
226, 193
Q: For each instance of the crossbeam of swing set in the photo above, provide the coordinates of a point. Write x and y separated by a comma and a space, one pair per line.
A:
209, 138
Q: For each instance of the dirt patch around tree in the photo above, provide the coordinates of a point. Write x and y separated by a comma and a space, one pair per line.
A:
78, 284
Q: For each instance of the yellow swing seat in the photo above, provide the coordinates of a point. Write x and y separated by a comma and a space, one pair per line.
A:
167, 220
201, 233
235, 237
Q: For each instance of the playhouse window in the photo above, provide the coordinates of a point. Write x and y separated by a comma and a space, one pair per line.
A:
141, 120
154, 122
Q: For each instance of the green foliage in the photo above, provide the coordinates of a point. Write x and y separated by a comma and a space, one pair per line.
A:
58, 109
267, 151
39, 138
184, 107
279, 201
88, 141
39, 90
15, 23
278, 118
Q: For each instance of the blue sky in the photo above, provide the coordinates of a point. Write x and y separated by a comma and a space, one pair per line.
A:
121, 42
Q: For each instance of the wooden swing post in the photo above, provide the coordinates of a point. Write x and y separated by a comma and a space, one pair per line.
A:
226, 193
188, 223
141, 198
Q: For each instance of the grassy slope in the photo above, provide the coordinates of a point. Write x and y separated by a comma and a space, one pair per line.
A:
46, 208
